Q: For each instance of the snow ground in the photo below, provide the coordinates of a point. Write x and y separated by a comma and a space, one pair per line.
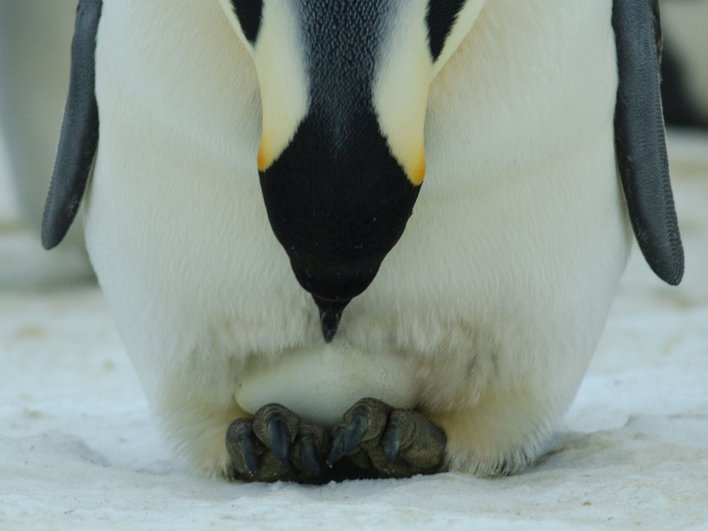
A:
78, 449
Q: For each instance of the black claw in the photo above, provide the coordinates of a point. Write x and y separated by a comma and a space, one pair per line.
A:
308, 457
245, 445
392, 442
337, 451
278, 436
241, 433
349, 438
355, 431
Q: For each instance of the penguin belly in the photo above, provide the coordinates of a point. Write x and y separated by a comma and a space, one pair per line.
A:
321, 383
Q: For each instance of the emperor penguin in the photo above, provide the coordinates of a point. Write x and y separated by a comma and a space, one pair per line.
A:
365, 238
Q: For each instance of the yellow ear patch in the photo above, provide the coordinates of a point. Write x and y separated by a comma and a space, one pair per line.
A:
401, 86
282, 78
264, 160
416, 171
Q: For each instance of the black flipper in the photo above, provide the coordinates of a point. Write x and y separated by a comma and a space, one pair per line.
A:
639, 137
79, 130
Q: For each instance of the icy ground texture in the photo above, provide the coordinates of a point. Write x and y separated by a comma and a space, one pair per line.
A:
78, 449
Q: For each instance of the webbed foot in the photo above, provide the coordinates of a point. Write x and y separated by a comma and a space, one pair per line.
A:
276, 445
388, 442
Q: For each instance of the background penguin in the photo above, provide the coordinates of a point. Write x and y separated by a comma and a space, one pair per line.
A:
35, 37
685, 64
256, 167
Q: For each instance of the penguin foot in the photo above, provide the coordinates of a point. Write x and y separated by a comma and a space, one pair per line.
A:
388, 442
277, 445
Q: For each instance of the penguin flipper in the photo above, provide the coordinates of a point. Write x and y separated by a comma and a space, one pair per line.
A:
640, 143
79, 131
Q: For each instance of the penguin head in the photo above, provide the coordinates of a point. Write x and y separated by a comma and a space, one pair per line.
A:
344, 89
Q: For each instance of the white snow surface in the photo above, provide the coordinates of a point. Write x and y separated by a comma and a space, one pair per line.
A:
78, 448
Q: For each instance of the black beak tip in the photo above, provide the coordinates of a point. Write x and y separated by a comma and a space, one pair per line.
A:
329, 332
330, 314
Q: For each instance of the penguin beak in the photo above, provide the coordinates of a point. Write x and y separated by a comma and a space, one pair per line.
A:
330, 314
